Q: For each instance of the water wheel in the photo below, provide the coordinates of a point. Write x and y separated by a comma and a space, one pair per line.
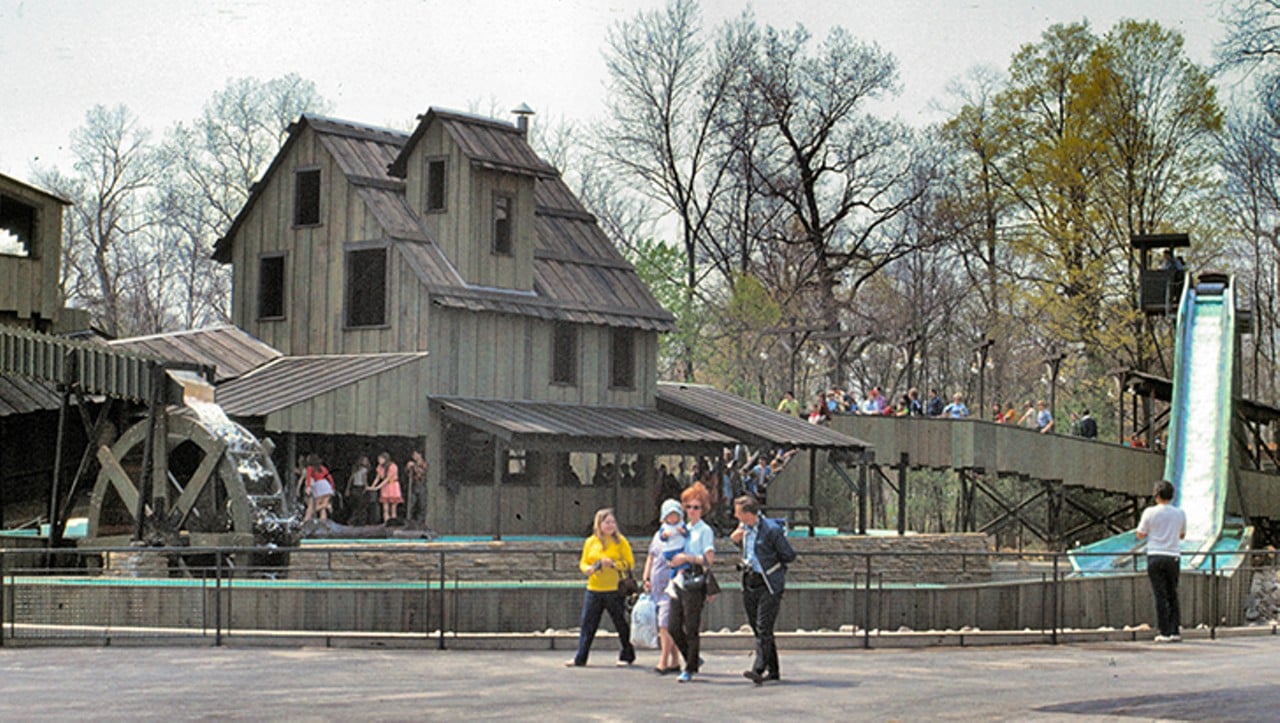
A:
213, 485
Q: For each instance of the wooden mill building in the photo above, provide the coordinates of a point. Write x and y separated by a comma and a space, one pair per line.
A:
445, 290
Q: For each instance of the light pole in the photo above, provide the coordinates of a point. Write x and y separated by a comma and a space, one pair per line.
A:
1054, 363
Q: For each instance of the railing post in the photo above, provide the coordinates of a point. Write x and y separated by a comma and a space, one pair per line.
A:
1213, 600
1053, 635
442, 593
217, 598
3, 600
866, 609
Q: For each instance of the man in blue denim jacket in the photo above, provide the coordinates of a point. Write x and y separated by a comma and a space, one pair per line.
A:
765, 556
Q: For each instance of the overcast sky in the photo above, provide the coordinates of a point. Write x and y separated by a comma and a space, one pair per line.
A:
383, 62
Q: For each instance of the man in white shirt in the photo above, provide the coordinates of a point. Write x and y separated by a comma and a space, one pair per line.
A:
1164, 526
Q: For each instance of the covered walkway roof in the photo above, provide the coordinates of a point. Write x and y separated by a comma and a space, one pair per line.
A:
583, 428
747, 421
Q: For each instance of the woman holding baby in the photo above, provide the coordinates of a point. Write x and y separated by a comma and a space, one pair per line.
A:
657, 576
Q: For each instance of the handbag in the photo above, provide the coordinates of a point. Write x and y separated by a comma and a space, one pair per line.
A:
627, 584
701, 579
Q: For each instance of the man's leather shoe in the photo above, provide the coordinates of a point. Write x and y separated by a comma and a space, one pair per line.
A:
753, 676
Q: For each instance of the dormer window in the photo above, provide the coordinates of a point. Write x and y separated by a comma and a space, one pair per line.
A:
435, 184
503, 220
306, 198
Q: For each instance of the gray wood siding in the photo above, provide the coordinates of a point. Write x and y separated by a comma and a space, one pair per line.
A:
505, 356
464, 228
29, 284
315, 266
388, 404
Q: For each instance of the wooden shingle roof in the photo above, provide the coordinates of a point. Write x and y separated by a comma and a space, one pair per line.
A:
486, 142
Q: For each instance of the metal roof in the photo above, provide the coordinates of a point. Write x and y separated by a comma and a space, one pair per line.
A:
583, 428
23, 396
750, 422
231, 351
579, 274
289, 380
486, 142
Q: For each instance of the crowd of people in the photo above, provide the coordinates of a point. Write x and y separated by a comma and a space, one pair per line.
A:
837, 401
738, 471
371, 495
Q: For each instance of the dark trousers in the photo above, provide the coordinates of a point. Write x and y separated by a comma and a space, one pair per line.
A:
593, 606
685, 625
762, 613
1163, 572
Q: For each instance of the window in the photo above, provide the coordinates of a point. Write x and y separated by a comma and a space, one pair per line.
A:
271, 286
622, 359
503, 206
435, 185
306, 198
367, 287
17, 227
564, 354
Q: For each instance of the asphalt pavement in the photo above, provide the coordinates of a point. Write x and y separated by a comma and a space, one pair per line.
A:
1200, 679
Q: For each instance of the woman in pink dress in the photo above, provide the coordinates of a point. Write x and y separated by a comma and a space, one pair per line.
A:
387, 485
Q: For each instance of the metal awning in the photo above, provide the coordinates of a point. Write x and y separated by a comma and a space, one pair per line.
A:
556, 426
751, 423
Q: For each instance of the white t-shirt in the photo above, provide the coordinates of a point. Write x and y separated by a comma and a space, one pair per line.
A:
1164, 526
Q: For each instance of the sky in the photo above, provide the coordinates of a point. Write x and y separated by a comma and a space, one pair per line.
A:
383, 62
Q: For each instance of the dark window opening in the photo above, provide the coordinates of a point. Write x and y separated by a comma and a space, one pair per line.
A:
271, 287
367, 287
435, 185
564, 354
622, 359
502, 209
17, 227
306, 198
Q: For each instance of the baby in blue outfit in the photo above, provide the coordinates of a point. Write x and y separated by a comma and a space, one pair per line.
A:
673, 536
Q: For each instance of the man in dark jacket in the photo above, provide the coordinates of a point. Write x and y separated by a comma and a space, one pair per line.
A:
765, 556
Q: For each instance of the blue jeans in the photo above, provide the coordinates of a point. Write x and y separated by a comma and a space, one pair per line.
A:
593, 606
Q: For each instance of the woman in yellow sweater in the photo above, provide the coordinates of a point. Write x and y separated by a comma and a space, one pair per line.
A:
606, 558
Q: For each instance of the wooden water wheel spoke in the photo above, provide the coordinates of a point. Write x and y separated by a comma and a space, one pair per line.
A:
201, 496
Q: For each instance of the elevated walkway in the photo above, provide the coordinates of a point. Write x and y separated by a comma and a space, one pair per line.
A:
1008, 450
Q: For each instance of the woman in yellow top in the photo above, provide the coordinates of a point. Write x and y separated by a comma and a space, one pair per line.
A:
606, 558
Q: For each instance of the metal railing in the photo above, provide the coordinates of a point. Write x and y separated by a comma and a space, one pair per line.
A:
429, 596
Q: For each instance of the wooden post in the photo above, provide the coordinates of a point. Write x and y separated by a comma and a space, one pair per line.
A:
59, 450
499, 460
868, 457
813, 486
903, 461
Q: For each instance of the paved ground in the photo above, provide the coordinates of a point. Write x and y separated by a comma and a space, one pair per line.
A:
1230, 679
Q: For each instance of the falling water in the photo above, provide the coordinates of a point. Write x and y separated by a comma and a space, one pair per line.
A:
1203, 445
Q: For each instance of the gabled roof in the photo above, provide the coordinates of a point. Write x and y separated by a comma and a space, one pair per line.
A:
486, 142
579, 275
228, 349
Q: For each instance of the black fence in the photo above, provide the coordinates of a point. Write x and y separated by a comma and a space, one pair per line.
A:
427, 596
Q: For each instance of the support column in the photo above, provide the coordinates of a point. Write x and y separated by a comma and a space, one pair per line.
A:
499, 459
903, 461
868, 458
813, 486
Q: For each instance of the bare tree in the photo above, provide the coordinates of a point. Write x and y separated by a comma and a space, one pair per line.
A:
667, 89
116, 167
217, 158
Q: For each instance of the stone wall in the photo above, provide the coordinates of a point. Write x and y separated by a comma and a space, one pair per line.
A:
911, 558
